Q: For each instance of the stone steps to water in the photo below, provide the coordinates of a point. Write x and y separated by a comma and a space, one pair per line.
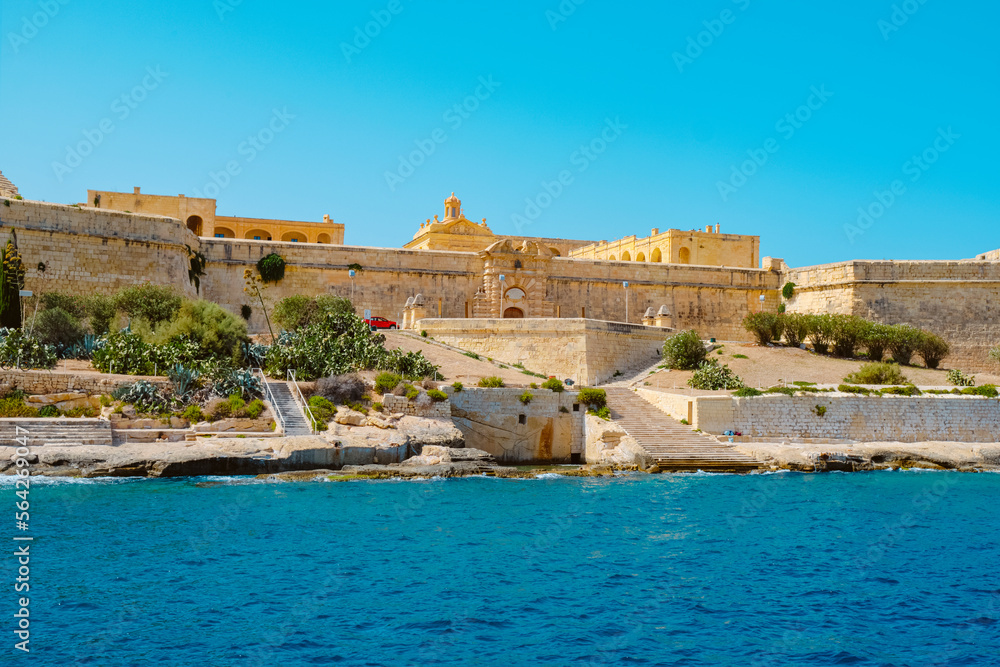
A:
294, 416
672, 445
63, 432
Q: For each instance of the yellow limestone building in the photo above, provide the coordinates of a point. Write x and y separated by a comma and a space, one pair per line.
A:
199, 216
458, 233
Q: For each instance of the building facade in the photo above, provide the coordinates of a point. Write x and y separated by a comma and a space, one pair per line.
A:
707, 248
198, 215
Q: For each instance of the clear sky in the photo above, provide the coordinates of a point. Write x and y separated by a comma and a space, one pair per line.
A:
650, 112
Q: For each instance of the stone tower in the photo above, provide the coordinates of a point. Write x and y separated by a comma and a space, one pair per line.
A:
7, 189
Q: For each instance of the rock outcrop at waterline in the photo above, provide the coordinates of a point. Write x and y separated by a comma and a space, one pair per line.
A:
856, 457
238, 456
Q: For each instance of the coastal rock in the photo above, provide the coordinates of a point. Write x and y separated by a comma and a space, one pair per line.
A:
65, 400
853, 457
349, 417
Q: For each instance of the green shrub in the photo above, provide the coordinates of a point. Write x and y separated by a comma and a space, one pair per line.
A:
960, 379
526, 397
437, 395
602, 412
995, 354
533, 385
987, 390
711, 376
848, 331
904, 340
411, 392
877, 373
15, 407
746, 392
294, 312
593, 398
57, 327
69, 303
850, 389
152, 303
255, 408
820, 410
908, 390
875, 339
105, 400
322, 410
271, 268
933, 349
766, 327
787, 391
492, 382
684, 350
423, 333
788, 290
554, 384
123, 352
377, 406
48, 411
471, 355
458, 387
740, 356
795, 327
386, 382
820, 329
193, 414
217, 332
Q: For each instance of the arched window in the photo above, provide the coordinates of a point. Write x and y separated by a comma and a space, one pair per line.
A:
194, 223
657, 255
626, 257
640, 257
684, 255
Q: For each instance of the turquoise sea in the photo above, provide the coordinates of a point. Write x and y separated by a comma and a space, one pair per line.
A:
887, 568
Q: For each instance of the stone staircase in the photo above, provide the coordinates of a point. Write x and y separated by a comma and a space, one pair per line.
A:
60, 432
295, 418
672, 445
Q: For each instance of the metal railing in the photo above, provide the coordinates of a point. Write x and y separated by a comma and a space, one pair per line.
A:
270, 398
290, 374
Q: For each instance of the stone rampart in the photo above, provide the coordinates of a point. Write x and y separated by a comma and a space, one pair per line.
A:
955, 300
586, 351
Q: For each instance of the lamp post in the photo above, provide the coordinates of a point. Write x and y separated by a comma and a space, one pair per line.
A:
625, 286
761, 309
502, 279
351, 273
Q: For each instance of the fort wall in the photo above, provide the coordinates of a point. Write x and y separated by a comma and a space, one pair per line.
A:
955, 299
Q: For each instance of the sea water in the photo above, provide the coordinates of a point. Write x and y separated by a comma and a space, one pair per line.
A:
886, 568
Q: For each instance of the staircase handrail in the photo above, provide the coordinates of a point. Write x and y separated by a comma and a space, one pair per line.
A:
290, 374
270, 397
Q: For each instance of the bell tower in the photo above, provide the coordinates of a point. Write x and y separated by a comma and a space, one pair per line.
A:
452, 208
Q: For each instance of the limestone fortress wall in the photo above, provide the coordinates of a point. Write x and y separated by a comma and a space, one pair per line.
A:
88, 250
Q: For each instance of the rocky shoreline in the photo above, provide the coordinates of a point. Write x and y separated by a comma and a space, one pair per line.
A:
861, 457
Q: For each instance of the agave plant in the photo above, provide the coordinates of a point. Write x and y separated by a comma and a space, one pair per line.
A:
184, 381
143, 395
254, 354
241, 382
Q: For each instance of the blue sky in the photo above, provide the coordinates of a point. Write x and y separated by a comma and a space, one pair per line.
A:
649, 111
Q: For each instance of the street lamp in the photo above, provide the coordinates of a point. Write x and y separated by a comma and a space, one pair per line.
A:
625, 285
502, 279
761, 309
351, 273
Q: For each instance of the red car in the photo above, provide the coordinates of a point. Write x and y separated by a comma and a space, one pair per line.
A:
380, 323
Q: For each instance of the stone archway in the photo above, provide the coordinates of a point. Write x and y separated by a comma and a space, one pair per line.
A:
684, 256
513, 313
194, 223
657, 255
640, 257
